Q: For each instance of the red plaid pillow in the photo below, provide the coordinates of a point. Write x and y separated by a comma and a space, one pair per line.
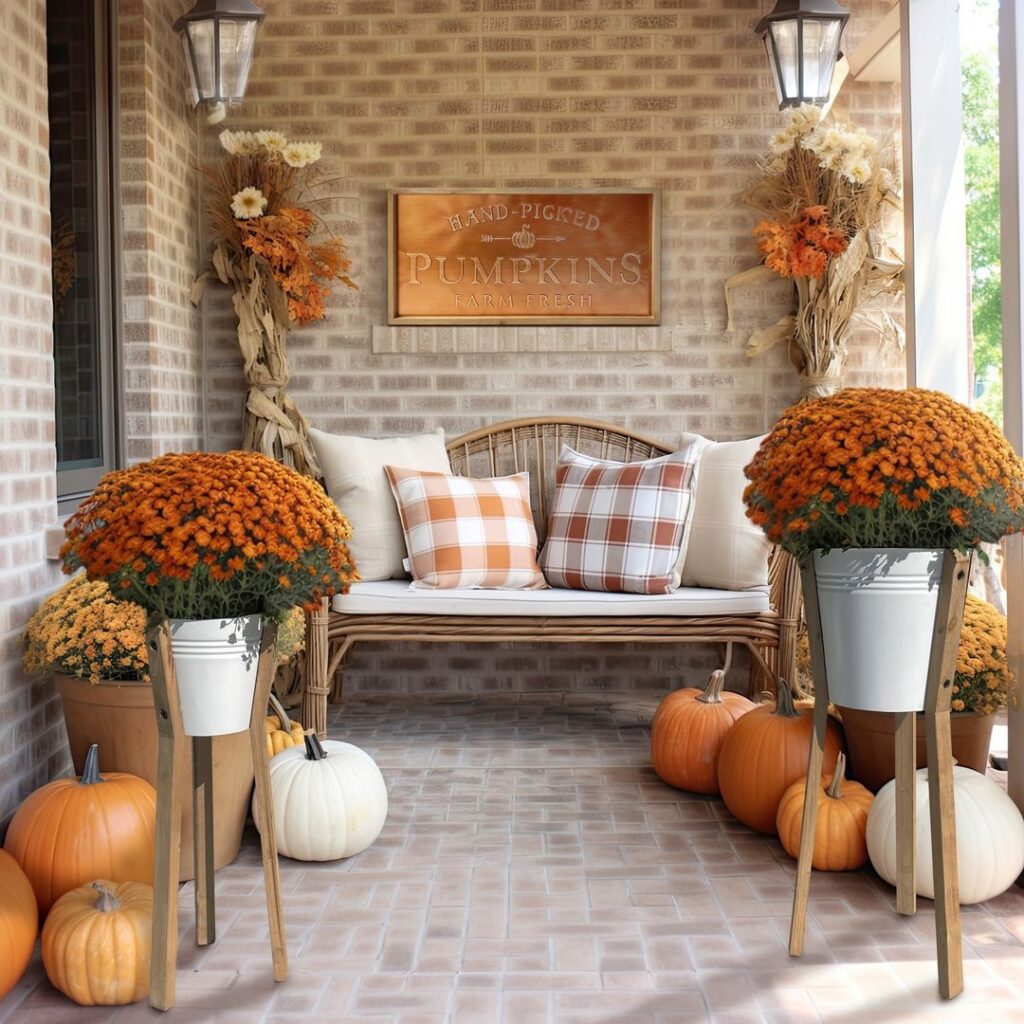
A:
462, 532
617, 527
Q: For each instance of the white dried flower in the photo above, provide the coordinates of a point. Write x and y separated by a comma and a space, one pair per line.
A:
781, 142
886, 180
804, 118
299, 154
229, 140
248, 204
271, 140
857, 168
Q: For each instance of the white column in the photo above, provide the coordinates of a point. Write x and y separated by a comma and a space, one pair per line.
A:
933, 197
1011, 190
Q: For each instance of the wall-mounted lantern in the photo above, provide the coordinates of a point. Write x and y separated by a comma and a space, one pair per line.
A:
802, 40
219, 37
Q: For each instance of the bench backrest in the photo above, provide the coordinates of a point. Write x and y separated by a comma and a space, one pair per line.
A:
533, 445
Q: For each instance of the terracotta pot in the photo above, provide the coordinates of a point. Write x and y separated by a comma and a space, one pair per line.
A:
871, 744
119, 716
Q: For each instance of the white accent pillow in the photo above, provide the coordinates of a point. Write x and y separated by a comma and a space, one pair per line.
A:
724, 550
353, 470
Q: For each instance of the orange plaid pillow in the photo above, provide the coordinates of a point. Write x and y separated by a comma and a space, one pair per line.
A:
464, 533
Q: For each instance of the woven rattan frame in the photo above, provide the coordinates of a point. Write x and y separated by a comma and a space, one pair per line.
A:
533, 445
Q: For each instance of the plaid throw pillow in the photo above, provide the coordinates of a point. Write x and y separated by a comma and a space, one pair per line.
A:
464, 533
617, 527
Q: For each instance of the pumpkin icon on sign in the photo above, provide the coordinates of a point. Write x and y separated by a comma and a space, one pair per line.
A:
524, 237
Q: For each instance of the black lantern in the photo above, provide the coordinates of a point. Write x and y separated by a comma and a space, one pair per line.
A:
802, 39
219, 37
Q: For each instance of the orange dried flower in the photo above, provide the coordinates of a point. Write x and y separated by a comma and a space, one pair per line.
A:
870, 467
800, 247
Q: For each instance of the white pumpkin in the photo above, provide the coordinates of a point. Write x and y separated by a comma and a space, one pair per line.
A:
330, 800
989, 836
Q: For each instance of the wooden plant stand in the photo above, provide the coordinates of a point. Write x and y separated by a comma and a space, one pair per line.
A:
171, 752
941, 669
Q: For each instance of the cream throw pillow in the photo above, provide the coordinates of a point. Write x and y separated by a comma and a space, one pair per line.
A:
353, 470
725, 550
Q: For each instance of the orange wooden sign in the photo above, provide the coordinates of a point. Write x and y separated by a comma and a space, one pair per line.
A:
523, 257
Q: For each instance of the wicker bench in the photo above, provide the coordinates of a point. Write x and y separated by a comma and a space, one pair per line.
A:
769, 633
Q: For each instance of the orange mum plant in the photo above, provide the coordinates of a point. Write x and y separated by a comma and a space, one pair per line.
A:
873, 468
203, 535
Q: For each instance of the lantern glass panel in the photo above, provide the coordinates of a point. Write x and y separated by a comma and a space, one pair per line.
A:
821, 43
237, 42
785, 37
201, 34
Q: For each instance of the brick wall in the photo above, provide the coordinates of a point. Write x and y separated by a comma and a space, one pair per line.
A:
32, 747
530, 93
161, 240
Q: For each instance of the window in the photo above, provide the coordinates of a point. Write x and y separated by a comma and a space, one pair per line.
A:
80, 205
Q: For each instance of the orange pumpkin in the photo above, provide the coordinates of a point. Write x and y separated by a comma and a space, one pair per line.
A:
19, 922
72, 831
840, 829
688, 730
764, 753
96, 943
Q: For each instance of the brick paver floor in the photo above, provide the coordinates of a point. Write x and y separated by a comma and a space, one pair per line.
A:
533, 868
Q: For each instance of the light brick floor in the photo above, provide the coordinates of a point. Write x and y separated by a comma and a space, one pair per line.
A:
533, 868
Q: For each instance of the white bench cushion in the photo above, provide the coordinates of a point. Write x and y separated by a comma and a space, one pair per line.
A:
396, 597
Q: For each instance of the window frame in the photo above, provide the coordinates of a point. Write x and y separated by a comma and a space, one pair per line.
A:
75, 484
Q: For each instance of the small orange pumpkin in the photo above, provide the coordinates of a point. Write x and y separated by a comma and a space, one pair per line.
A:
97, 943
840, 829
764, 753
687, 734
71, 831
19, 922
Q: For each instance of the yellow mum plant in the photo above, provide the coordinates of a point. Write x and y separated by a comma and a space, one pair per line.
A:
82, 630
983, 681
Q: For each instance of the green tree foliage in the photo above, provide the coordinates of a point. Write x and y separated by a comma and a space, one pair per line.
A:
981, 166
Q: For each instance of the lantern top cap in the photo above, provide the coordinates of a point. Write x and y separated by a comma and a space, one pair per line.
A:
203, 10
787, 9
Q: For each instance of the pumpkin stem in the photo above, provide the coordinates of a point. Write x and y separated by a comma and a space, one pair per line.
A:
107, 901
314, 748
784, 706
91, 768
838, 778
713, 691
278, 708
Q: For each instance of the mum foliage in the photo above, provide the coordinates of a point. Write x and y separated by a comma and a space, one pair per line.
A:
982, 679
83, 630
203, 535
873, 468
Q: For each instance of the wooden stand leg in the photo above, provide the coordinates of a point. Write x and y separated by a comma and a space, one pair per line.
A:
814, 758
318, 682
202, 839
906, 812
264, 803
945, 870
171, 752
942, 812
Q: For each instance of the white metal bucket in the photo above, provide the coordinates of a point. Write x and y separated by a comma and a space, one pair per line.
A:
877, 608
215, 665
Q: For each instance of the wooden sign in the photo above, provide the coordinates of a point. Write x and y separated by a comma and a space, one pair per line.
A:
479, 257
